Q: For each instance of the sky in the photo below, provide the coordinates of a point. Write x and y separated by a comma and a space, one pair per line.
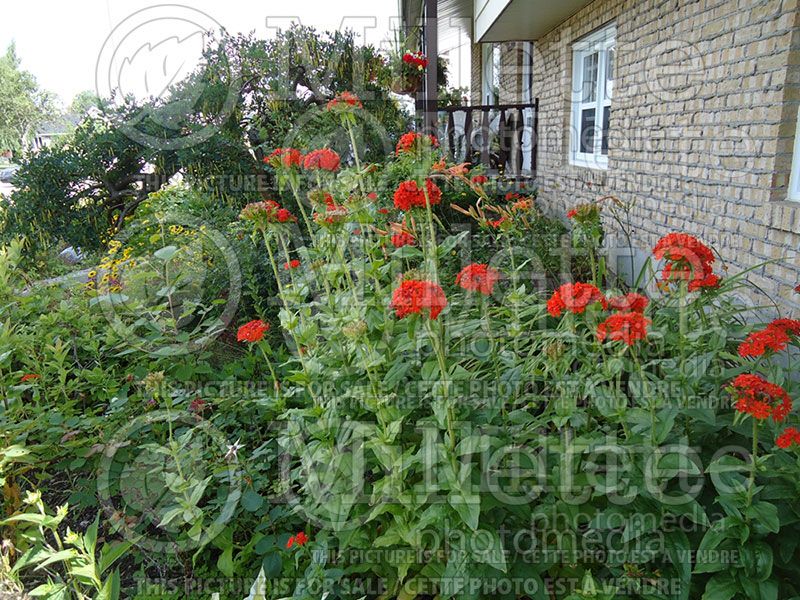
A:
140, 46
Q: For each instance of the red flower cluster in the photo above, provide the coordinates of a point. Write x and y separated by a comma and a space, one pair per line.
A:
759, 398
479, 179
627, 327
403, 239
408, 194
29, 377
292, 264
410, 141
775, 337
197, 405
574, 298
300, 539
323, 159
790, 326
522, 204
687, 259
632, 302
414, 296
478, 277
252, 332
416, 59
585, 214
790, 436
345, 100
334, 213
286, 157
268, 211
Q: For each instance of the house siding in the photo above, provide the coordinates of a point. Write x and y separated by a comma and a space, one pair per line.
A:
702, 129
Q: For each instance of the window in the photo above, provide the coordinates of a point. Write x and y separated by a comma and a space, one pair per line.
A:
490, 92
527, 72
794, 180
592, 90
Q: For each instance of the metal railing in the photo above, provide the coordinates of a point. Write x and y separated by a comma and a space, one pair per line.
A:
501, 137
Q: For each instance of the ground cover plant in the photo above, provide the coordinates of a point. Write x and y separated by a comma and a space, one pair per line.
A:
423, 407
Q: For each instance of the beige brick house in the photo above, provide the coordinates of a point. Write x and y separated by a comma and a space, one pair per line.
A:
684, 109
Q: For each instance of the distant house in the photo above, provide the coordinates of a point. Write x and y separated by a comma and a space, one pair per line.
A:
686, 110
50, 131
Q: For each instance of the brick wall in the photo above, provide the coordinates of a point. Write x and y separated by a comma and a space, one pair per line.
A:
476, 71
702, 126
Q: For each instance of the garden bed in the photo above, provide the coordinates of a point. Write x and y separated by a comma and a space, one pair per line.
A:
391, 381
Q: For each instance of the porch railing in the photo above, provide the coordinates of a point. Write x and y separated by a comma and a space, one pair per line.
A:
501, 137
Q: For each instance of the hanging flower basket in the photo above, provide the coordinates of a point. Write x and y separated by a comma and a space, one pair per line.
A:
408, 70
407, 84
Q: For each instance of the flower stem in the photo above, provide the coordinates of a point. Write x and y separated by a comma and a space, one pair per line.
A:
296, 194
438, 349
753, 465
286, 307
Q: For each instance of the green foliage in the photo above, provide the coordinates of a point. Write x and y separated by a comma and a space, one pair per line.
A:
358, 451
80, 192
86, 566
84, 101
23, 105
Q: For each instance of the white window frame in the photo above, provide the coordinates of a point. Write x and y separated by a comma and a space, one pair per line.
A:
527, 72
491, 57
794, 178
600, 42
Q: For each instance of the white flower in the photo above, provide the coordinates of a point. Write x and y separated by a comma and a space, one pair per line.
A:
232, 450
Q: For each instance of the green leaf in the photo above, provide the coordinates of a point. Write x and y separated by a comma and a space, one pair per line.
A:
265, 544
165, 253
49, 590
756, 558
111, 552
693, 511
90, 537
272, 564
62, 555
252, 501
679, 553
720, 587
110, 589
225, 562
491, 553
766, 514
468, 507
768, 590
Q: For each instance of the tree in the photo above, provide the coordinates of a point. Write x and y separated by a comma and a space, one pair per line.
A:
23, 105
83, 102
247, 97
80, 190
